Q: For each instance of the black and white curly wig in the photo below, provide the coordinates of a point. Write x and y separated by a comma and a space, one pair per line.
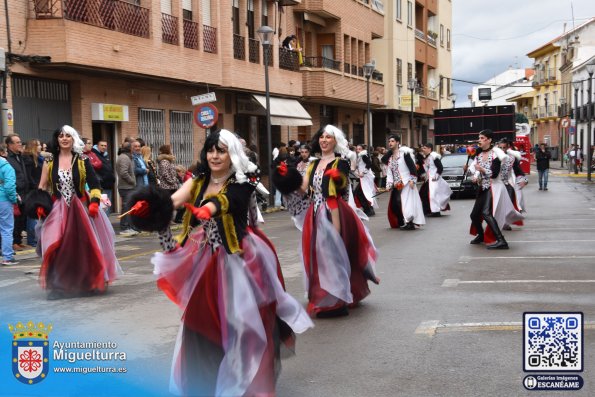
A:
341, 147
239, 161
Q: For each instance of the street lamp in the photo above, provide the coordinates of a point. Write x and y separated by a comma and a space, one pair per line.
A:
561, 136
453, 98
265, 33
590, 70
577, 85
411, 85
368, 70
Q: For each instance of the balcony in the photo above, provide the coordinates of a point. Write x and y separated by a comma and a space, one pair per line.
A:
420, 35
209, 36
253, 50
322, 62
325, 84
288, 59
239, 47
120, 16
169, 29
552, 111
190, 34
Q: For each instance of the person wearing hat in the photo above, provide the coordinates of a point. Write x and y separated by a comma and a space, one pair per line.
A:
492, 205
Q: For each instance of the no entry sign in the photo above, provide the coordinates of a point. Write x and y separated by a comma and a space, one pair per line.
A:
206, 115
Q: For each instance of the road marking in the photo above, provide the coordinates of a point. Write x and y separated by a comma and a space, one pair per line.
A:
551, 241
466, 259
127, 248
124, 258
453, 282
556, 228
6, 283
432, 327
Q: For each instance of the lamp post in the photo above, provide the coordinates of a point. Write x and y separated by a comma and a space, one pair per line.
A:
368, 70
265, 33
453, 98
590, 70
577, 85
561, 136
412, 85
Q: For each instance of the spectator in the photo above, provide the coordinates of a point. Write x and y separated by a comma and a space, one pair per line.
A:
93, 158
148, 158
24, 185
33, 164
166, 171
126, 184
253, 154
105, 173
141, 172
542, 160
8, 199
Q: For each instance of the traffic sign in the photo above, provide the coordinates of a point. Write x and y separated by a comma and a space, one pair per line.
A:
206, 115
204, 98
565, 123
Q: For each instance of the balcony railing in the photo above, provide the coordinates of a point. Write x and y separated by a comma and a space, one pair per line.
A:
432, 94
420, 35
209, 37
239, 47
354, 70
377, 76
346, 68
551, 111
431, 40
551, 74
116, 15
253, 50
190, 34
169, 29
288, 59
322, 62
268, 54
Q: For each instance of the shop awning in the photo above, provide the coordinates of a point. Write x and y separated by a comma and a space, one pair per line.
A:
285, 111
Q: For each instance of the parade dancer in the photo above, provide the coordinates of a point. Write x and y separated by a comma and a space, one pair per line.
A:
223, 272
337, 249
492, 203
365, 190
435, 192
517, 179
77, 240
405, 209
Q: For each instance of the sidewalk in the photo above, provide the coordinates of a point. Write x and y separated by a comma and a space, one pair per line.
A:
556, 169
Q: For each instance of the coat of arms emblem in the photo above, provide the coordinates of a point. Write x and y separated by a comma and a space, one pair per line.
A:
30, 351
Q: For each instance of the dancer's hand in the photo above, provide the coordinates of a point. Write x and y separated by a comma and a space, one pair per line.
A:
41, 213
140, 209
202, 213
334, 174
93, 209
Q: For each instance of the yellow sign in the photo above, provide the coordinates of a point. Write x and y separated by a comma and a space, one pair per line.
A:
113, 112
10, 117
405, 101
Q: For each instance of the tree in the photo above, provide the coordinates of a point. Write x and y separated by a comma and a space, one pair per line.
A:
521, 118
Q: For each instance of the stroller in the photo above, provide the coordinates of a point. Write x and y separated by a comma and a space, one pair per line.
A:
262, 197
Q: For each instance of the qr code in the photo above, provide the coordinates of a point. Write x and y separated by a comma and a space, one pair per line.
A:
553, 341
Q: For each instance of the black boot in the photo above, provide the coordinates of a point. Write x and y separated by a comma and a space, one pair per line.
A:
500, 241
477, 240
408, 226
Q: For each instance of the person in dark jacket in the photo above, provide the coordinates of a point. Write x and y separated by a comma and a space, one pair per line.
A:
33, 164
542, 160
24, 185
105, 173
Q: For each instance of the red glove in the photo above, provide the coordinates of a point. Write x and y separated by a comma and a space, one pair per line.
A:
41, 213
282, 168
334, 174
93, 209
16, 210
140, 209
199, 213
332, 203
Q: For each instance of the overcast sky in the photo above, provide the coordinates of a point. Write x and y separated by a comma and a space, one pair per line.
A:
489, 36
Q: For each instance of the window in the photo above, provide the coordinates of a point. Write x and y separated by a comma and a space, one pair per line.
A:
448, 39
206, 12
187, 10
441, 35
250, 19
235, 16
399, 72
264, 19
409, 71
448, 87
398, 10
409, 13
441, 87
180, 127
151, 124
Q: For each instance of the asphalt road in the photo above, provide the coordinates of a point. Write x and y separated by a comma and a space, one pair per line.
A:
445, 320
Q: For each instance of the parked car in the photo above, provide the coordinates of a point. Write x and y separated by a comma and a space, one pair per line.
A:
453, 175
